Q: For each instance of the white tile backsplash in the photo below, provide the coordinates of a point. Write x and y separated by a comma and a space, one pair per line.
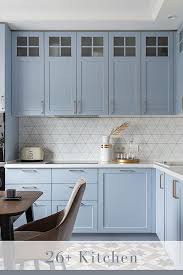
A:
159, 138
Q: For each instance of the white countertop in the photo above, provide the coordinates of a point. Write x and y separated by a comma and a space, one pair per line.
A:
79, 164
176, 172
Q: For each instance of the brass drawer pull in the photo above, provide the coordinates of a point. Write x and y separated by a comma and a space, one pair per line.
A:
175, 190
75, 107
161, 186
72, 170
71, 187
29, 187
37, 205
29, 171
127, 171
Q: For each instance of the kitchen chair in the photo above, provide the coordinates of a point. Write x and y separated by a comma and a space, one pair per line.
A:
56, 227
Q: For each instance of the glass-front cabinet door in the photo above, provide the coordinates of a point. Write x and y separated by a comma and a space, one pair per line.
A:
157, 73
60, 73
124, 73
27, 73
92, 73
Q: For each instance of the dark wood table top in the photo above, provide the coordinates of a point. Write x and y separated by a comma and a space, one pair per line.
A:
14, 208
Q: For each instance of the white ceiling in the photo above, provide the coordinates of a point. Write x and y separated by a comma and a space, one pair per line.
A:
91, 15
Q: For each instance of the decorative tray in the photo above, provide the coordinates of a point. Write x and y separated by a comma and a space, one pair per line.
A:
126, 161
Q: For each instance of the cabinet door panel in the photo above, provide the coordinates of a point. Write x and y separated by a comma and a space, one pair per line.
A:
92, 73
157, 73
41, 209
160, 205
172, 210
127, 201
86, 221
27, 75
124, 74
60, 70
157, 86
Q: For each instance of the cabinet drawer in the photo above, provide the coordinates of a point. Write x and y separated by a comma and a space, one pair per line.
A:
73, 175
17, 176
45, 188
63, 191
86, 221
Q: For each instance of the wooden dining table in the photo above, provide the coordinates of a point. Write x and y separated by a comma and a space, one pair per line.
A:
10, 211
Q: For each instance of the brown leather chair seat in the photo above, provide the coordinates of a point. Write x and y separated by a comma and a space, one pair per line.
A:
56, 227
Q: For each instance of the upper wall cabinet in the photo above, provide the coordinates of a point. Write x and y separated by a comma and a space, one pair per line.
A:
60, 73
179, 71
28, 73
124, 73
92, 73
157, 73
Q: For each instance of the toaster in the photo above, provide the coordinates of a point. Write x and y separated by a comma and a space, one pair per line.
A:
32, 154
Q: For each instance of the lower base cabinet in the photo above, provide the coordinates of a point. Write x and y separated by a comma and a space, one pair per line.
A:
41, 209
172, 209
86, 221
126, 201
160, 205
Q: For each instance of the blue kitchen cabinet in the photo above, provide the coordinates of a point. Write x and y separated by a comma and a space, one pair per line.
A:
28, 73
92, 73
179, 71
41, 209
157, 73
172, 209
86, 221
160, 205
60, 73
124, 73
31, 180
63, 181
126, 201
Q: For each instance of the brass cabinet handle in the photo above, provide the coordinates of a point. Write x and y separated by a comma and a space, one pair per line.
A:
161, 186
174, 191
79, 106
145, 106
75, 106
42, 106
112, 106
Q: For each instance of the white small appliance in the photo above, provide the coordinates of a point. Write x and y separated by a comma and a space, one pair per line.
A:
32, 154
